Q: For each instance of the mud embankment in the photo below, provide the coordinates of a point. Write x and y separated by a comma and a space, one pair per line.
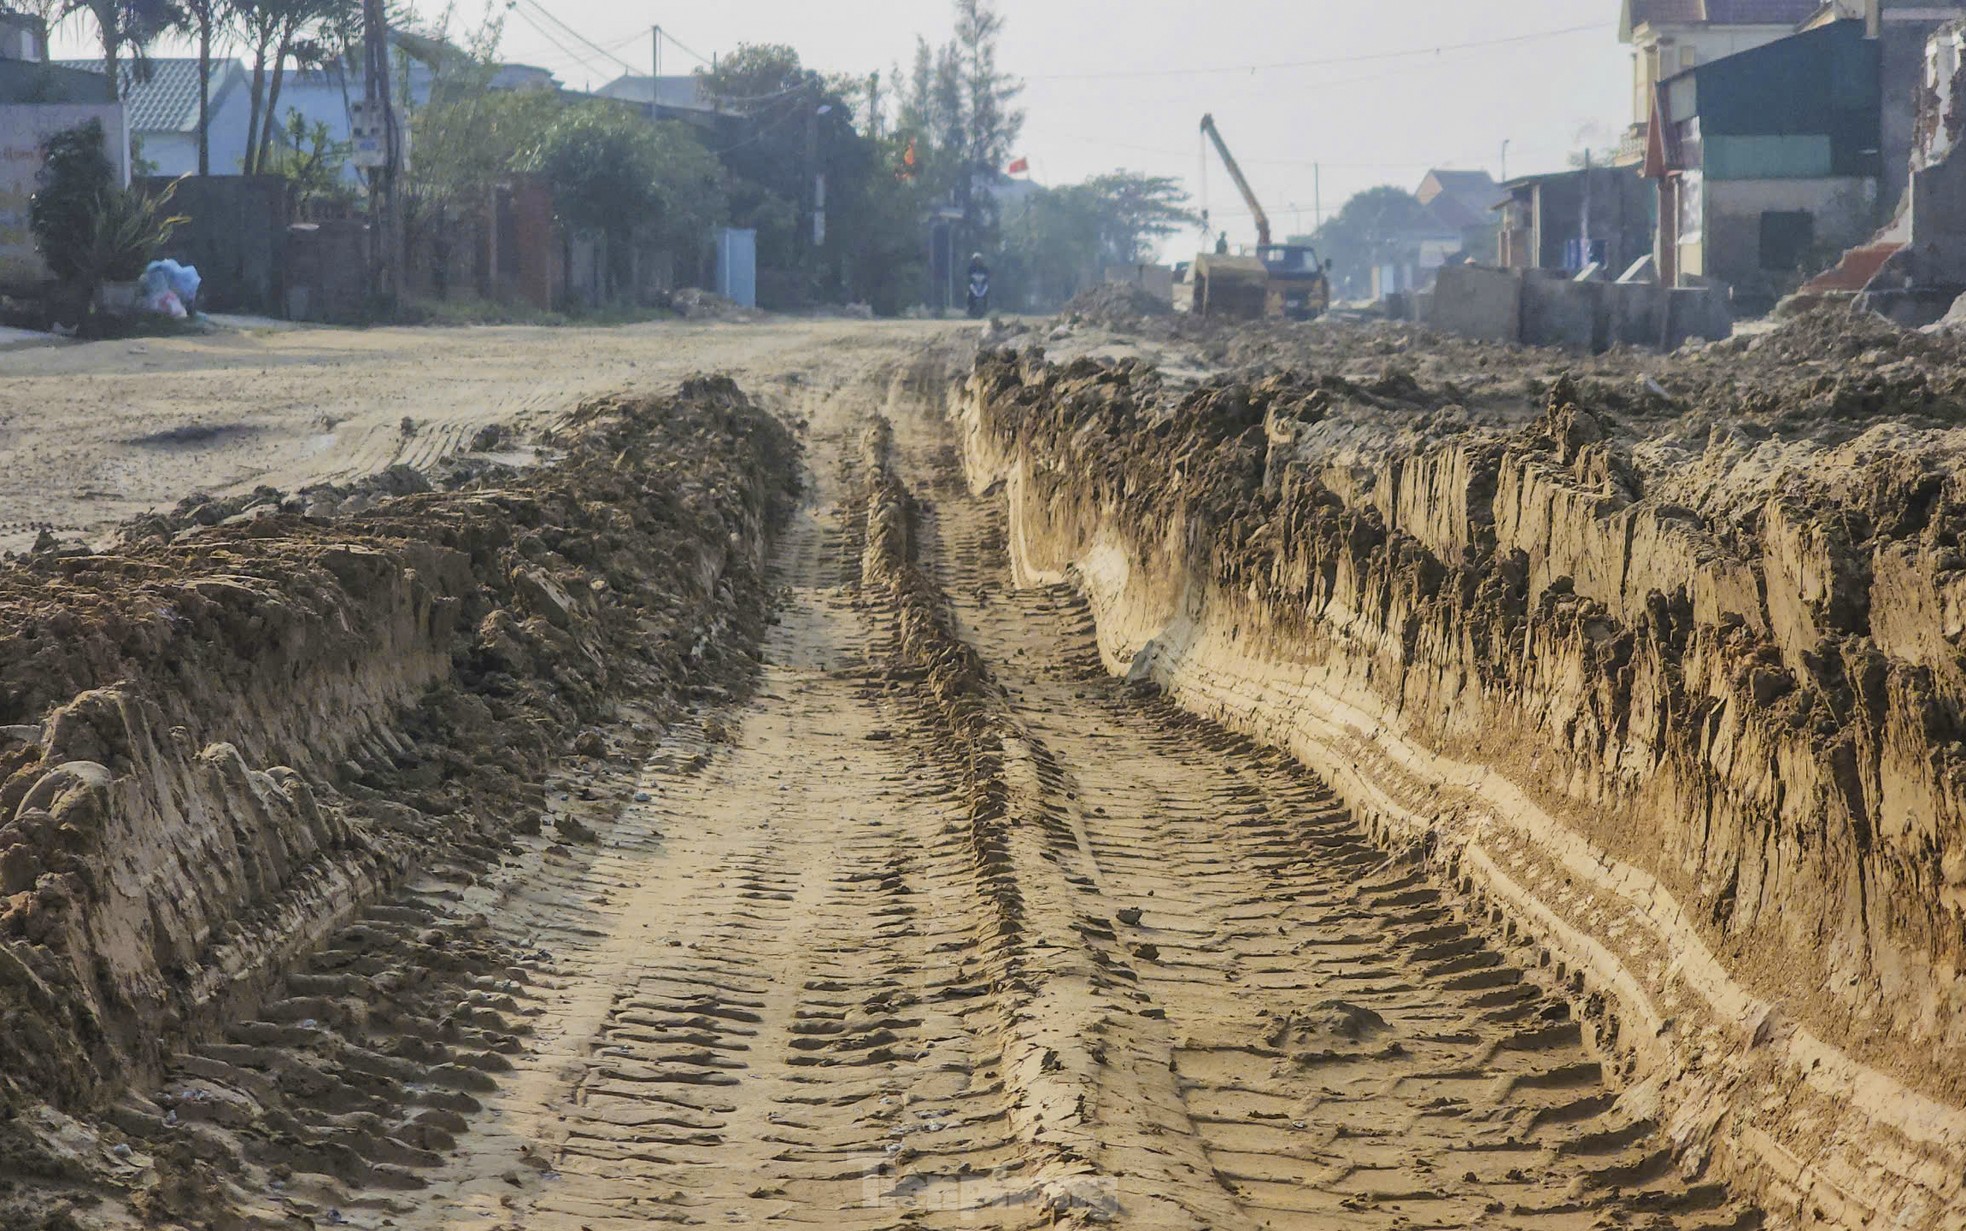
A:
221, 743
1713, 765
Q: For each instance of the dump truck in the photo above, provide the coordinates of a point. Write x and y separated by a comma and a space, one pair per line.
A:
1277, 281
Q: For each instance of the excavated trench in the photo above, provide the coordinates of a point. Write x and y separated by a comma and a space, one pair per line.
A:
1032, 807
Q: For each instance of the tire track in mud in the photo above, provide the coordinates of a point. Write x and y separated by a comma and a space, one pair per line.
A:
942, 927
761, 1002
1350, 1047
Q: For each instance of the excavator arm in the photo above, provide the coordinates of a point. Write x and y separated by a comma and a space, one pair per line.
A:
1242, 183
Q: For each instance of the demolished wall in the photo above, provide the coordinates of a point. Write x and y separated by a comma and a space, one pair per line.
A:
1716, 764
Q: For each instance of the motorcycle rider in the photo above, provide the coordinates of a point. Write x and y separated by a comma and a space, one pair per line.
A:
979, 285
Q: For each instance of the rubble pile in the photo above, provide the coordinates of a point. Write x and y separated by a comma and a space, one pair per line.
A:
1117, 305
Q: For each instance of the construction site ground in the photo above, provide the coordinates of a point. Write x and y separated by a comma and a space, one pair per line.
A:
829, 867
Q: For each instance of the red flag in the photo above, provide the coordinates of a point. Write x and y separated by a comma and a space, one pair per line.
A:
1021, 167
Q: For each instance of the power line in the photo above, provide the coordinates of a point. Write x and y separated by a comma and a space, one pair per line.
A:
573, 57
1330, 60
576, 35
683, 47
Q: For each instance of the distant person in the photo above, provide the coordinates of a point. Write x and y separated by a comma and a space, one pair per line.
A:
979, 286
1222, 244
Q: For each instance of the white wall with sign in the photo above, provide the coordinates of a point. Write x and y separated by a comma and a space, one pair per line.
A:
22, 129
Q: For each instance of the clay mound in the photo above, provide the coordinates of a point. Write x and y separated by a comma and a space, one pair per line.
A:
1116, 305
224, 736
1701, 608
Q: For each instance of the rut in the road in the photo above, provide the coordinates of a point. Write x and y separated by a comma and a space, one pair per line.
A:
1348, 1045
944, 927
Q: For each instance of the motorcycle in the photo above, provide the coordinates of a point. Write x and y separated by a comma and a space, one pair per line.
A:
979, 295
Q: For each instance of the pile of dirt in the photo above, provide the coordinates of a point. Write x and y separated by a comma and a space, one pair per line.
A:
232, 731
1694, 608
1116, 305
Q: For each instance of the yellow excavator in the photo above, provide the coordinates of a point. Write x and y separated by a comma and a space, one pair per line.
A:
1279, 281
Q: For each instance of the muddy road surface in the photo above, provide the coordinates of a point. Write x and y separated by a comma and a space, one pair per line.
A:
911, 915
973, 935
95, 434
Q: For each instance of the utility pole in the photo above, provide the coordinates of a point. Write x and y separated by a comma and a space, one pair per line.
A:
1505, 160
1317, 195
655, 79
1584, 227
385, 238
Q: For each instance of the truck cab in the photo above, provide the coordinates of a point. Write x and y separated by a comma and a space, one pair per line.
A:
1299, 289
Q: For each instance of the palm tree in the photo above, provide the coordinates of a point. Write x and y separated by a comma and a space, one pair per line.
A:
131, 24
206, 17
311, 32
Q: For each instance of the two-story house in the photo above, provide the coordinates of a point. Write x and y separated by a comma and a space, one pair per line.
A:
1669, 37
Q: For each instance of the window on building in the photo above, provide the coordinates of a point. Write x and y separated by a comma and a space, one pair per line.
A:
1786, 238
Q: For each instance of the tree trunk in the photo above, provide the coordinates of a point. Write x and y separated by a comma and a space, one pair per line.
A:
257, 95
268, 123
205, 93
112, 43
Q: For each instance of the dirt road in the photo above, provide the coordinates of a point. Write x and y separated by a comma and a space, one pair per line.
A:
807, 975
935, 924
93, 435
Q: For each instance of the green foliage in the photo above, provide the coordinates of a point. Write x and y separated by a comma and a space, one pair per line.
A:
88, 228
1372, 228
468, 137
616, 174
959, 111
126, 230
1057, 240
75, 173
312, 161
309, 33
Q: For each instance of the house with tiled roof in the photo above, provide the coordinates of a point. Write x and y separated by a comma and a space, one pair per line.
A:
162, 96
1464, 202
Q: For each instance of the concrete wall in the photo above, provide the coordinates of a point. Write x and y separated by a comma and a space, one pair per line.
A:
1475, 301
236, 236
22, 129
1541, 309
1845, 210
1156, 280
1562, 313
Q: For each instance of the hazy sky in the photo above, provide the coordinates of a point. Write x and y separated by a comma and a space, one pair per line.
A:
1375, 91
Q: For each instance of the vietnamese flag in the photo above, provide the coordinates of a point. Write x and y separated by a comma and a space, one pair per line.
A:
1021, 167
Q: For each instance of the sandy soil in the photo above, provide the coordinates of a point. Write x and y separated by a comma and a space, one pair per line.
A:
820, 972
91, 435
648, 898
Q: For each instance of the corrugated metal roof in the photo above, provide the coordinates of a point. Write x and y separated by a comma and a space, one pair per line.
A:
682, 93
163, 97
1722, 12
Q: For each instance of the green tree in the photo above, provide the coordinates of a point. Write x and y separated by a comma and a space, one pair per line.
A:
959, 112
616, 175
1058, 241
1367, 231
468, 137
125, 25
311, 160
991, 120
309, 33
800, 126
